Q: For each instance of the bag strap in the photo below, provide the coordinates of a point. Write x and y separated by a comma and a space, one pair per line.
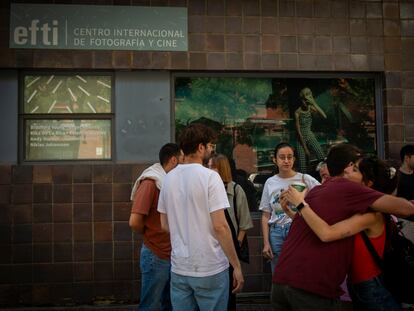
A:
233, 231
235, 205
372, 250
304, 181
228, 218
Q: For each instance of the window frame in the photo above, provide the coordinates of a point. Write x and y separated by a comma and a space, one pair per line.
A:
23, 117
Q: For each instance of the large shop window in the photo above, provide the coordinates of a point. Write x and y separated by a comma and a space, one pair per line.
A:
66, 116
253, 114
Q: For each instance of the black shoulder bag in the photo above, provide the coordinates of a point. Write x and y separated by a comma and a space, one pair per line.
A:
242, 249
397, 265
244, 245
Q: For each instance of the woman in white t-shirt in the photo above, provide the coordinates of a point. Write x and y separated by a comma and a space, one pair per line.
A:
275, 222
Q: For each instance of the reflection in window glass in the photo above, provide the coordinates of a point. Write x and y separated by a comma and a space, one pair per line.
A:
68, 140
253, 115
60, 94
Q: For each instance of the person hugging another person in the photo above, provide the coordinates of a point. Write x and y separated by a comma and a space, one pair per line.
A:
275, 222
365, 282
238, 212
309, 272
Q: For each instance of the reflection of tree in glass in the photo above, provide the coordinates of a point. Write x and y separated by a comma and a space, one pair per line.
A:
354, 100
230, 101
221, 98
279, 96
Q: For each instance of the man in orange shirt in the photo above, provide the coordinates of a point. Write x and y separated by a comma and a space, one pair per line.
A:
156, 248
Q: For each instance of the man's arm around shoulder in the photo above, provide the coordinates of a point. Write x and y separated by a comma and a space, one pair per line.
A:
223, 235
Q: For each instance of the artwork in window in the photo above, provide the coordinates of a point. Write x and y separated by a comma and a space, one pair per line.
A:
67, 140
66, 94
253, 115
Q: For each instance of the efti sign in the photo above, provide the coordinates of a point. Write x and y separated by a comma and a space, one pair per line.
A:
96, 27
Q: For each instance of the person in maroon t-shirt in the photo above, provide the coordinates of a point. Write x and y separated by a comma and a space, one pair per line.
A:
365, 282
309, 272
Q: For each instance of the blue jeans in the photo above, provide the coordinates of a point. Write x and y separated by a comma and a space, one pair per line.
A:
209, 293
155, 282
372, 295
277, 235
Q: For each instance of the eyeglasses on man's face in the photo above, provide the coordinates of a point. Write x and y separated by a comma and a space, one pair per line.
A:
211, 146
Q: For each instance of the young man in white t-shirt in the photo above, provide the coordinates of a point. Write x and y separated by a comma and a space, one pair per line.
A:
192, 203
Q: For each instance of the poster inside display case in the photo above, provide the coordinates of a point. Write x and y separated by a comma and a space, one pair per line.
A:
252, 115
68, 140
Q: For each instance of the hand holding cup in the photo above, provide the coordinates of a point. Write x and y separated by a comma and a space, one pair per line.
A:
293, 195
299, 186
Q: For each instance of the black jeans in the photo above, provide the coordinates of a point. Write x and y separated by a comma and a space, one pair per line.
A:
372, 295
286, 298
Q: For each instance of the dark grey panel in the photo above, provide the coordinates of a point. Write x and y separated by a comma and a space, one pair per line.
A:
8, 116
142, 115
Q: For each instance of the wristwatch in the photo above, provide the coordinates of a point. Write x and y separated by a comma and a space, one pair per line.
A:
300, 206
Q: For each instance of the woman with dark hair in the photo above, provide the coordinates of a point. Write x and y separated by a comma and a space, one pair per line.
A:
275, 221
238, 211
366, 285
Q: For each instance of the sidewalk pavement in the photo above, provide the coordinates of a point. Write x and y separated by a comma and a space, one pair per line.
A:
240, 307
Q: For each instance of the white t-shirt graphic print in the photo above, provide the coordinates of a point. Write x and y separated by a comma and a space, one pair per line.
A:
273, 187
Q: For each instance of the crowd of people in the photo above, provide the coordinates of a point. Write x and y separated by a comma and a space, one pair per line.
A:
194, 217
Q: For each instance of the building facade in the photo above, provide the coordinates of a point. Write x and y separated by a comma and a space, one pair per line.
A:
64, 234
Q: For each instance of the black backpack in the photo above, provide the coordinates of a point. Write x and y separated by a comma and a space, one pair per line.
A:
397, 264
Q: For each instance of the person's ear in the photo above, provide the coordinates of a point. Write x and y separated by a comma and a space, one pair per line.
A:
201, 147
370, 183
174, 161
274, 160
348, 169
